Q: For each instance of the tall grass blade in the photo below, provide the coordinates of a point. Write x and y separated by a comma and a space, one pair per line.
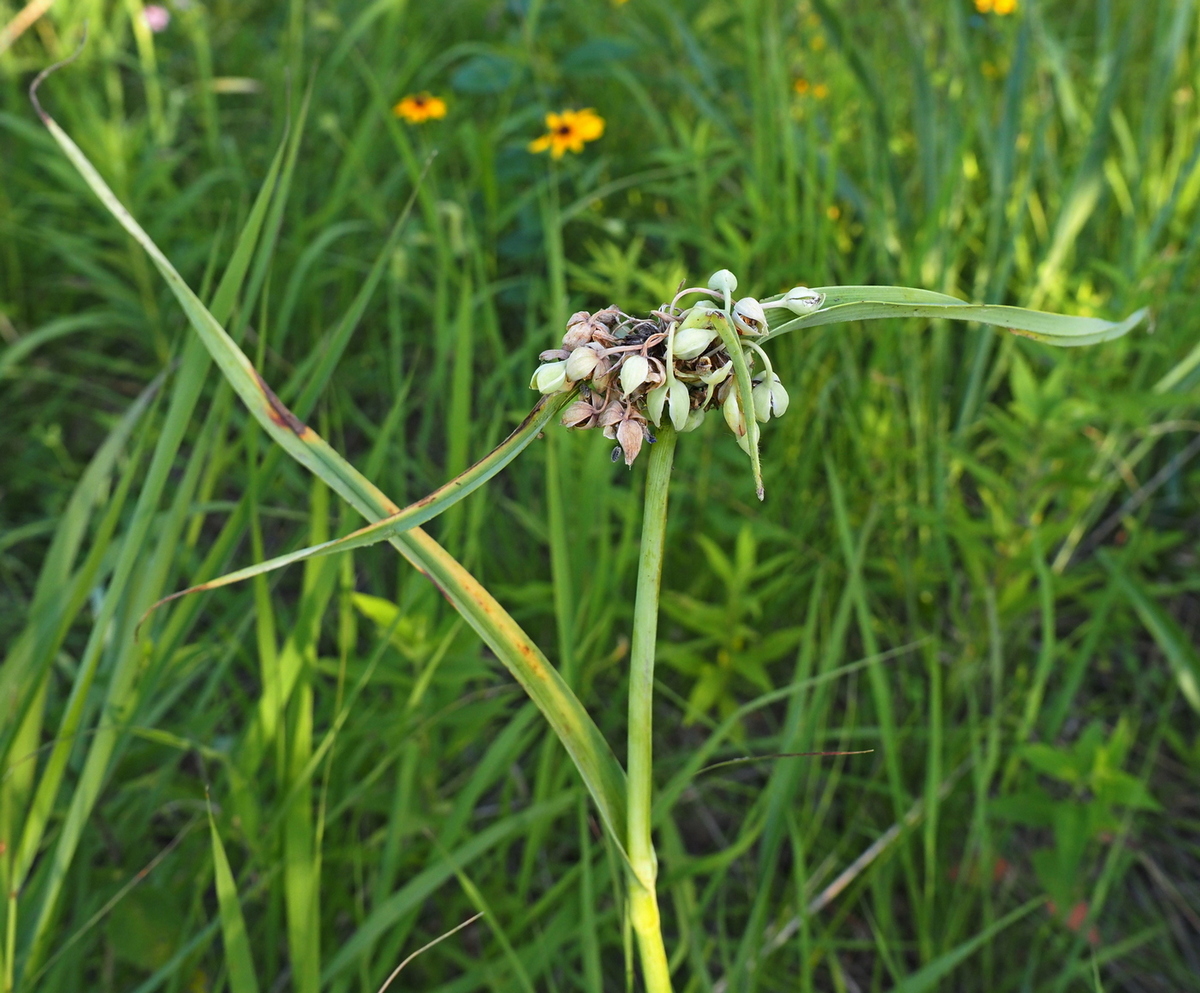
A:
929, 977
1180, 653
418, 889
238, 959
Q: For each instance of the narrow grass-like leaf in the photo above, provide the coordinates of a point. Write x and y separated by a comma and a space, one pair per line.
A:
418, 889
425, 509
1050, 329
238, 959
1181, 655
575, 728
47, 618
51, 331
124, 591
929, 977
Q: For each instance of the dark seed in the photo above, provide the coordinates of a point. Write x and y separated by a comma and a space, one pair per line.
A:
616, 454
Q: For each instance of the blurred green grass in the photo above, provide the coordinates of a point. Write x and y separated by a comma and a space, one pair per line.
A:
937, 499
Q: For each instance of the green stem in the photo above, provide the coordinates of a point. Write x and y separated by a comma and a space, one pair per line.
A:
643, 903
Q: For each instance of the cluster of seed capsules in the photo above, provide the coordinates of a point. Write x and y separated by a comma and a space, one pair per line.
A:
675, 364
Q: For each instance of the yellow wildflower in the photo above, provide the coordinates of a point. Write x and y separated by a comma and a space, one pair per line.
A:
997, 7
803, 87
416, 108
568, 131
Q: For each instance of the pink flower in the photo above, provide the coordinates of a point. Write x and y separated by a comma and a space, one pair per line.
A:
156, 16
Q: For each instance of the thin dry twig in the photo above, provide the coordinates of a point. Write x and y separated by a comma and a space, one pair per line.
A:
777, 755
424, 948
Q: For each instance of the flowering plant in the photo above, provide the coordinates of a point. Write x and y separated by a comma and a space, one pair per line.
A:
640, 379
676, 364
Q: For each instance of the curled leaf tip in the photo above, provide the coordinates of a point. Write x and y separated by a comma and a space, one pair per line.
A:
50, 70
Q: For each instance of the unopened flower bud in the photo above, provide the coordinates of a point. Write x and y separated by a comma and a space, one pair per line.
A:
699, 316
691, 343
733, 413
718, 375
723, 281
580, 414
630, 437
582, 363
601, 374
800, 300
678, 403
609, 417
694, 419
655, 400
633, 373
550, 378
770, 398
577, 335
748, 316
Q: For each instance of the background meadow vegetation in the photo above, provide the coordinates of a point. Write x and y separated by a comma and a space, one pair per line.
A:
976, 557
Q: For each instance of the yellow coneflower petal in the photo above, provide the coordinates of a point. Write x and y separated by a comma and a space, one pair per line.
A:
416, 108
567, 131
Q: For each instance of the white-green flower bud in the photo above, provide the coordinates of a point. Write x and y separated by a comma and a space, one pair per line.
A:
655, 400
800, 300
718, 375
581, 363
714, 379
748, 316
723, 281
770, 398
691, 343
550, 378
634, 371
694, 419
733, 414
699, 316
679, 403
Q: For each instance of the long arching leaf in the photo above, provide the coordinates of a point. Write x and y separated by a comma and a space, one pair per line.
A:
867, 303
589, 750
415, 514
